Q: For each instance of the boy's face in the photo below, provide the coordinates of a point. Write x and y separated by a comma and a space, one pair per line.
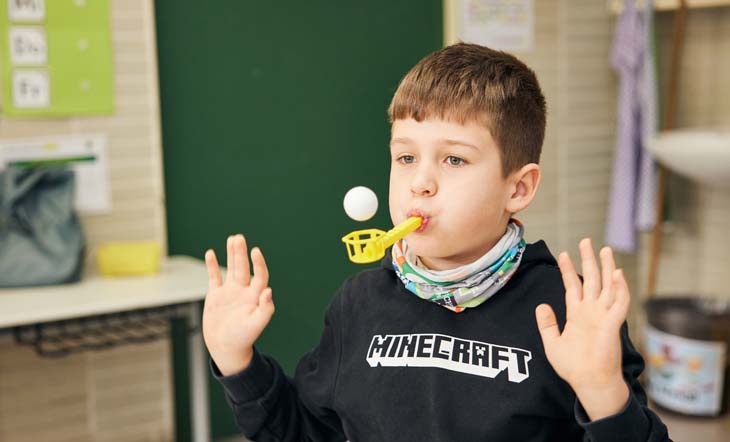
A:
451, 175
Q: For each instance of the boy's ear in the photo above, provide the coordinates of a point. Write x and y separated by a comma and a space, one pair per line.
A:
523, 186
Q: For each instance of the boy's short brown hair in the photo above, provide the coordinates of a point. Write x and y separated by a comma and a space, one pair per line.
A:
471, 83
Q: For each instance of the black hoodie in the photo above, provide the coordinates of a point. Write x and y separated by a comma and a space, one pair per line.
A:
393, 367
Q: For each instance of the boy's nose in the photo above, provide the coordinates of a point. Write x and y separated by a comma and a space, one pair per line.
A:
424, 184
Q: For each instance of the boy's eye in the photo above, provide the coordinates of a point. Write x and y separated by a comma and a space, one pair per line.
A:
406, 159
455, 161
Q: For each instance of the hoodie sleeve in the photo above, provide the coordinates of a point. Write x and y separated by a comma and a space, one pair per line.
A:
269, 406
635, 422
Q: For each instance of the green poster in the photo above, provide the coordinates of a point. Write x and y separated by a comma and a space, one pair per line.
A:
56, 57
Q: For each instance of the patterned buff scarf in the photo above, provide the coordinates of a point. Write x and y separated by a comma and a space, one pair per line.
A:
468, 285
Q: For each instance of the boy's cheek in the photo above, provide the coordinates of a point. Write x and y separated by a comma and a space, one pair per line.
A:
394, 212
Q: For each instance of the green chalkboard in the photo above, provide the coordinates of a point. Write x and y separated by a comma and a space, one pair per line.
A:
271, 111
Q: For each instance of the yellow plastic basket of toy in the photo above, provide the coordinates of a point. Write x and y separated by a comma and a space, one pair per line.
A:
366, 246
363, 245
129, 258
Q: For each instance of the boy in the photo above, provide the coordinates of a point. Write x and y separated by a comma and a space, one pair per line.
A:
467, 129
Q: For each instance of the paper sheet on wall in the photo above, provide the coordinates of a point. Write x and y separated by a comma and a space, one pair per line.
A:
85, 154
507, 25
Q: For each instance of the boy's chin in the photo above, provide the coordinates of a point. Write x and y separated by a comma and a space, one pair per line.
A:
421, 248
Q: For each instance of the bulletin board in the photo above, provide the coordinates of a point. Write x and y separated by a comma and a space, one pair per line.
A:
56, 57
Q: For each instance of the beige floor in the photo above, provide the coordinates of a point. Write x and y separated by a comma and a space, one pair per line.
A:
232, 439
681, 428
695, 429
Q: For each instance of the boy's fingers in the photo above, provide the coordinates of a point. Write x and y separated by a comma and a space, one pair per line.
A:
589, 267
570, 279
242, 269
265, 309
246, 266
260, 270
608, 296
623, 295
608, 266
547, 324
230, 263
214, 271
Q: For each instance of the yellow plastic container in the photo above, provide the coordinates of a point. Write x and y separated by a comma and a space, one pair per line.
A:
366, 246
131, 258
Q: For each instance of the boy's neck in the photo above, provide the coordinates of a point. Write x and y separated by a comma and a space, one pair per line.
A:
453, 262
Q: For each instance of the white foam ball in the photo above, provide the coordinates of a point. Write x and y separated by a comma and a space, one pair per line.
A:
360, 203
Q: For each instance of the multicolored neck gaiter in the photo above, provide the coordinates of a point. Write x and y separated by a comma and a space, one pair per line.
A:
466, 286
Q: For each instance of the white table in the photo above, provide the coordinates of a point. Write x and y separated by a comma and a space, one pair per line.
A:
182, 280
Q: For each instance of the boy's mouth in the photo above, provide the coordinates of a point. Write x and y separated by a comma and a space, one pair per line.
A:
424, 219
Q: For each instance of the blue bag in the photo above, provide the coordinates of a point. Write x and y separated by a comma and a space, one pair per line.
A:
41, 241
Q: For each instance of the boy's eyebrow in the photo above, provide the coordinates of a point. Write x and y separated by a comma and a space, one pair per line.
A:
401, 140
451, 142
446, 141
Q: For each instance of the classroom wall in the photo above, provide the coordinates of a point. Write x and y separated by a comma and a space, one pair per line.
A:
133, 135
122, 394
571, 58
696, 253
572, 41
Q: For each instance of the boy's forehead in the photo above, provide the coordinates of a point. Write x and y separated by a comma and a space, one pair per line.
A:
410, 130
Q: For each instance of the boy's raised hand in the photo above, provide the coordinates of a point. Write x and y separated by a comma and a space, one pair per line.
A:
587, 354
236, 311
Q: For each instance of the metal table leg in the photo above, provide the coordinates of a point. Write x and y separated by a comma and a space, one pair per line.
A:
199, 407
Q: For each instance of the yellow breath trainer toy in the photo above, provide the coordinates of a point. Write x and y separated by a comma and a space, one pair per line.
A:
366, 246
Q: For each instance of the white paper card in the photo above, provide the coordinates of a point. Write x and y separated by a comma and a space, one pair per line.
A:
506, 25
27, 10
28, 45
31, 89
87, 158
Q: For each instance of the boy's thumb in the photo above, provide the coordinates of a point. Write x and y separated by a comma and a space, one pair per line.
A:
547, 323
266, 304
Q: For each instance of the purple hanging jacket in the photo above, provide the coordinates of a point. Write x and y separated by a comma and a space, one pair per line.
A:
631, 202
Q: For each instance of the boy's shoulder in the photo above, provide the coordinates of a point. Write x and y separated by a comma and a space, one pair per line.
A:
538, 263
539, 279
538, 253
378, 278
369, 289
